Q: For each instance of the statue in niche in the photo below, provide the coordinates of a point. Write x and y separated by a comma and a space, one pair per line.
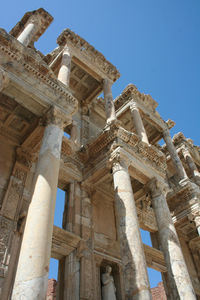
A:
108, 287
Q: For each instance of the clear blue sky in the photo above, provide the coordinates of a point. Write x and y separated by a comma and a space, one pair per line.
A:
155, 44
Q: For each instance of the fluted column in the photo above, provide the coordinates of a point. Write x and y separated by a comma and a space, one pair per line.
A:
132, 252
140, 130
179, 278
174, 155
33, 267
64, 72
109, 104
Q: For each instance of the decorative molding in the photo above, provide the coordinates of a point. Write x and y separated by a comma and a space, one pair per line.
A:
34, 65
89, 52
110, 139
57, 117
131, 93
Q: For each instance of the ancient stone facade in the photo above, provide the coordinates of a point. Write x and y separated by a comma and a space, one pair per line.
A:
105, 155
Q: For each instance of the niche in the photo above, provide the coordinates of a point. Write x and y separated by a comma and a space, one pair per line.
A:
116, 276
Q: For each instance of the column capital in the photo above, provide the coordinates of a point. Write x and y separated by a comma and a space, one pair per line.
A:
156, 188
133, 105
55, 116
25, 158
119, 160
107, 83
66, 50
166, 133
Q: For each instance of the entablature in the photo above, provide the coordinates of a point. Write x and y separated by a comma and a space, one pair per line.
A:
144, 157
87, 54
181, 142
30, 81
153, 123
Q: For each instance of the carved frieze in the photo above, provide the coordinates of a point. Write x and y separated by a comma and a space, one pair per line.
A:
13, 197
32, 63
110, 139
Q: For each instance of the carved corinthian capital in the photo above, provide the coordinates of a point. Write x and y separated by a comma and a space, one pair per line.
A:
56, 116
119, 160
195, 217
4, 80
156, 188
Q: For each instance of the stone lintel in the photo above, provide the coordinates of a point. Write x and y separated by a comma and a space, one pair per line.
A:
63, 242
154, 258
40, 15
88, 54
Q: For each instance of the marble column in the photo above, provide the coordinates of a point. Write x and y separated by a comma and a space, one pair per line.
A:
189, 160
64, 72
178, 275
33, 267
132, 252
32, 26
195, 217
174, 155
109, 104
140, 130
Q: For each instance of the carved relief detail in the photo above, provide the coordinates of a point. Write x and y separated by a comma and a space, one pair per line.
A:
11, 202
6, 226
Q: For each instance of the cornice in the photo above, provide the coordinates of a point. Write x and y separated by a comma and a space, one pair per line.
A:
31, 62
89, 52
131, 93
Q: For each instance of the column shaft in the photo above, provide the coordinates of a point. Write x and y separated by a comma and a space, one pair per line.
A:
179, 278
174, 155
132, 252
109, 104
33, 267
26, 36
140, 130
64, 72
190, 162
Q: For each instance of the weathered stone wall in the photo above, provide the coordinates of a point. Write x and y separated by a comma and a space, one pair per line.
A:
158, 292
51, 290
